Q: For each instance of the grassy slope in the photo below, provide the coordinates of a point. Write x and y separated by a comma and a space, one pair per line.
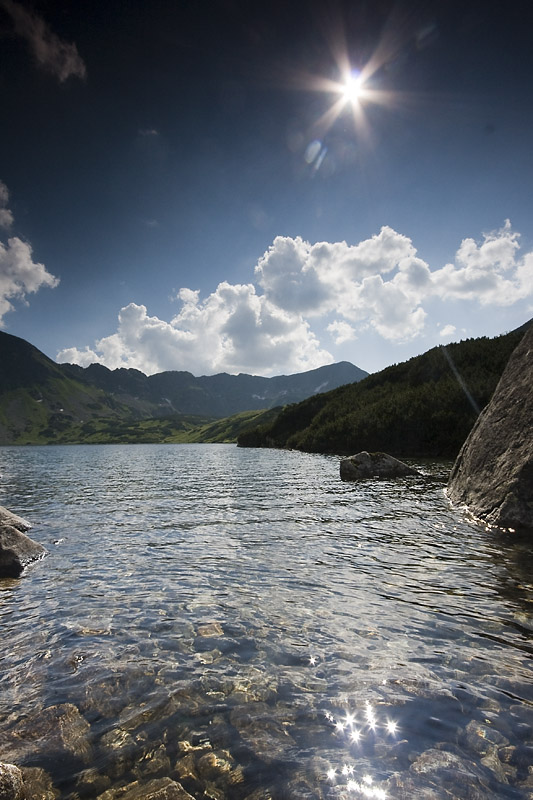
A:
176, 429
418, 408
48, 412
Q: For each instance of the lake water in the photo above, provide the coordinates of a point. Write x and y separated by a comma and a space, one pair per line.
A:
244, 623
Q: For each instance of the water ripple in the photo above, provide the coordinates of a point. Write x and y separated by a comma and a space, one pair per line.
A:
208, 605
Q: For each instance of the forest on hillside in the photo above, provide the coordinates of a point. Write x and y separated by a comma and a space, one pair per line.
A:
424, 407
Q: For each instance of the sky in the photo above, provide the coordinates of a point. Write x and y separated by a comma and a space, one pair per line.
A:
255, 187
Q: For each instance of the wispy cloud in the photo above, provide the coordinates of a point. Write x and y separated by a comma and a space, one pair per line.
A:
380, 283
52, 54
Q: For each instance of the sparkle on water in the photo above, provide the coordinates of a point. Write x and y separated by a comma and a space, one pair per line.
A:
321, 639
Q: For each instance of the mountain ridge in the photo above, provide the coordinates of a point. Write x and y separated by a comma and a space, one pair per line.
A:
42, 401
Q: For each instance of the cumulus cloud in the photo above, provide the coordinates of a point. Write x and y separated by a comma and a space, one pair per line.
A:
232, 330
489, 273
349, 279
52, 54
19, 274
380, 284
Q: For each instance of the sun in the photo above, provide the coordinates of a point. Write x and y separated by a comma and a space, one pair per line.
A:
352, 89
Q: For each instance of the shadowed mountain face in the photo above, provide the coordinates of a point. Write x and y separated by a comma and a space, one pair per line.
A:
41, 401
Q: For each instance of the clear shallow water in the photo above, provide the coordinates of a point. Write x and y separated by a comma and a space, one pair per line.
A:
245, 623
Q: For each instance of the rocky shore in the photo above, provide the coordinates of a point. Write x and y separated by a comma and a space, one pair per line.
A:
493, 473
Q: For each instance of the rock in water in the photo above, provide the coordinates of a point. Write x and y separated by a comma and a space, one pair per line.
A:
16, 551
8, 518
11, 784
493, 473
373, 465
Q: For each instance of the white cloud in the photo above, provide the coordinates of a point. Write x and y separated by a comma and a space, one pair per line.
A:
54, 55
233, 330
313, 279
325, 277
446, 331
19, 274
341, 331
380, 283
6, 217
488, 273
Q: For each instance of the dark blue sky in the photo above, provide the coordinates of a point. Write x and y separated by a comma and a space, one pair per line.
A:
167, 164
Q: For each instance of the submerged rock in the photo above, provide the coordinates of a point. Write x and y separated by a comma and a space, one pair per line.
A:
11, 783
16, 551
38, 784
493, 473
373, 465
158, 789
89, 783
454, 775
55, 733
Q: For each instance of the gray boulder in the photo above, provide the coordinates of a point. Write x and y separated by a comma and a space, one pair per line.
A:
16, 551
8, 518
493, 473
373, 465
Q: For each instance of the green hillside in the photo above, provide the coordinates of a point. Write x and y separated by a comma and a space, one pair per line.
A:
174, 429
424, 407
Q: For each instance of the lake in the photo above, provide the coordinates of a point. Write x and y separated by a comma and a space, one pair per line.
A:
245, 624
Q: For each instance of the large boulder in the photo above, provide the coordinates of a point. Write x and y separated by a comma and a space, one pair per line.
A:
493, 473
16, 551
373, 465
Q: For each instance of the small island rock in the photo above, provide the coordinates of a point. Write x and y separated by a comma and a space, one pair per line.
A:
493, 473
373, 465
16, 551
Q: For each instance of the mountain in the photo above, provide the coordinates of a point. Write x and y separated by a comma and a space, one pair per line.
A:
38, 401
42, 402
211, 395
424, 407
